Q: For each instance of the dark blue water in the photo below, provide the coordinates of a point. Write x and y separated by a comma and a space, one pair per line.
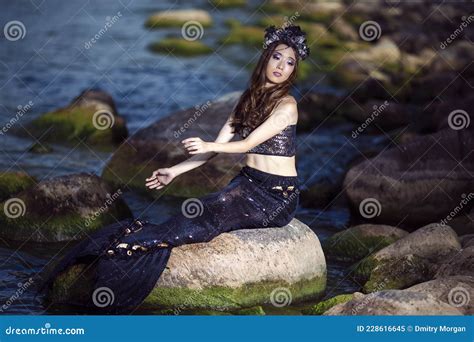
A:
50, 66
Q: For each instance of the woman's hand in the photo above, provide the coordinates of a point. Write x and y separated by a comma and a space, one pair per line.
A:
160, 178
196, 145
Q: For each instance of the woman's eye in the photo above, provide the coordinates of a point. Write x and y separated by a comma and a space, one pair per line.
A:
276, 57
291, 63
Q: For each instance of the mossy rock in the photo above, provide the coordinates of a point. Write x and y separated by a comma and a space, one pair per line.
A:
14, 182
79, 123
321, 307
359, 241
181, 47
196, 279
223, 4
61, 209
399, 273
247, 35
177, 18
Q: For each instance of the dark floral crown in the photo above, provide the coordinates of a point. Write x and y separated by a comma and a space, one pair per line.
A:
290, 35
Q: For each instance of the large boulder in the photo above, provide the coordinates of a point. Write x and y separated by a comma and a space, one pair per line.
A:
410, 260
359, 241
415, 183
91, 118
61, 209
461, 263
159, 146
241, 268
457, 291
394, 302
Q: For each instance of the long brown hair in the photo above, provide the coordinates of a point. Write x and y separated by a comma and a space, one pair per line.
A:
257, 102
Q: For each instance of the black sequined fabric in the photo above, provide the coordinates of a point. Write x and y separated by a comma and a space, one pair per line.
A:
281, 144
128, 257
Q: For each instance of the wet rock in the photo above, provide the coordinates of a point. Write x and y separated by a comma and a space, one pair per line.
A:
410, 260
461, 263
235, 270
457, 291
91, 118
61, 209
12, 182
359, 241
394, 302
171, 18
415, 183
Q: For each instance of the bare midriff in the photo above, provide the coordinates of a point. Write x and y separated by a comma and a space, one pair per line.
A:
278, 165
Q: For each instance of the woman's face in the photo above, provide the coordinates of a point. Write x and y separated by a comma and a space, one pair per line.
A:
281, 64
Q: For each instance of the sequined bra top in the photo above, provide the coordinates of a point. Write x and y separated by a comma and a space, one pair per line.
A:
281, 144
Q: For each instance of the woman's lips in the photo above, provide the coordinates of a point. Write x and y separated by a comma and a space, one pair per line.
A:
276, 73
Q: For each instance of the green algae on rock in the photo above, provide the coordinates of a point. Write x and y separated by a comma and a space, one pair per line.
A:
13, 182
321, 307
61, 209
90, 118
359, 241
177, 18
181, 47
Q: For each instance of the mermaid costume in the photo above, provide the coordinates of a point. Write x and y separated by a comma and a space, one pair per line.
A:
128, 257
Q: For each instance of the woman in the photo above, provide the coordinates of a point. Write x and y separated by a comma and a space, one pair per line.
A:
125, 260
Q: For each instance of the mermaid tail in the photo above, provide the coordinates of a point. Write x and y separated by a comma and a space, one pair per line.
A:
114, 277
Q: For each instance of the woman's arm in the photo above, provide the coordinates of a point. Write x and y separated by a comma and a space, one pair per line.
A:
285, 114
225, 135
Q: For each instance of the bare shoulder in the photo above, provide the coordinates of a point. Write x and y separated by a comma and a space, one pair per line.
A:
288, 107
